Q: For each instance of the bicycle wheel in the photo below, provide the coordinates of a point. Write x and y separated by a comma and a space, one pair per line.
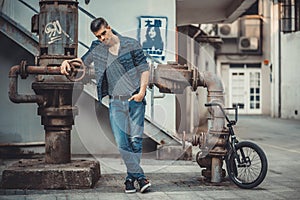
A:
247, 168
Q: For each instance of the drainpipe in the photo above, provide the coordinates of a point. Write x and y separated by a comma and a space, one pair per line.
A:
279, 62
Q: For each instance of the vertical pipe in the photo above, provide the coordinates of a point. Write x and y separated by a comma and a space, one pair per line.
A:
216, 170
58, 148
215, 91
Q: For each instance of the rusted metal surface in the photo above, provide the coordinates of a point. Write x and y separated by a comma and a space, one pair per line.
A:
23, 71
216, 169
171, 78
58, 149
174, 78
58, 115
46, 70
56, 25
13, 94
58, 36
55, 100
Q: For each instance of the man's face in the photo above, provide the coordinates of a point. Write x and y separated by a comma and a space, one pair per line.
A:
104, 34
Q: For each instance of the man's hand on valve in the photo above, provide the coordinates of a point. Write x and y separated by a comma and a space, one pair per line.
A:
65, 67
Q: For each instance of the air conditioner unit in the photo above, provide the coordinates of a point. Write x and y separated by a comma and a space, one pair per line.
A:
248, 43
228, 30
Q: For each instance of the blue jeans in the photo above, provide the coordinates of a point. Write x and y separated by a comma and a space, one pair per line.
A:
127, 123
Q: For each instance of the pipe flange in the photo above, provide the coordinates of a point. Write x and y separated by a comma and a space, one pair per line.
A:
23, 72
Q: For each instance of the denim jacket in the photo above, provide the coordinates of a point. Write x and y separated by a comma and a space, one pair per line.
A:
130, 55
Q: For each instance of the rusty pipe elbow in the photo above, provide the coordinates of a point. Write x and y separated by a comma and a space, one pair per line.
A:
14, 71
13, 94
211, 81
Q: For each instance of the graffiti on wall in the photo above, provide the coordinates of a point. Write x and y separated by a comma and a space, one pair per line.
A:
153, 35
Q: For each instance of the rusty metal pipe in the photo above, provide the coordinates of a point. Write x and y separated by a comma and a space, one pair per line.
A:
216, 170
58, 146
15, 71
215, 91
13, 94
211, 81
174, 78
43, 70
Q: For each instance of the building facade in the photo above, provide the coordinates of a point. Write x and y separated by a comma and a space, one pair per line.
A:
285, 45
243, 60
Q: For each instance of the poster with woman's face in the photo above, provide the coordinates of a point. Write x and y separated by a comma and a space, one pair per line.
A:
152, 36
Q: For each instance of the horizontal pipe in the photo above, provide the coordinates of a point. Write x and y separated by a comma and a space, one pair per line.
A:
43, 70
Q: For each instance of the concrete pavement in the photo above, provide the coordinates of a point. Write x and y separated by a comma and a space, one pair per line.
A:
280, 139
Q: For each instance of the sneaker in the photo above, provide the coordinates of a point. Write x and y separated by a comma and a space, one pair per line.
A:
144, 184
129, 186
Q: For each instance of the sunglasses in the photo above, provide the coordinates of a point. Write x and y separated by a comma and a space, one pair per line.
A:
102, 34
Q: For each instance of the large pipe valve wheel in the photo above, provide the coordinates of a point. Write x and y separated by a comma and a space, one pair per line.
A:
77, 71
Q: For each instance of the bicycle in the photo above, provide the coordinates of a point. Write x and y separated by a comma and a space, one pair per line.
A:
246, 162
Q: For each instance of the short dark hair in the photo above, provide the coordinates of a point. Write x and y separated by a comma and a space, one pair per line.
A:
97, 23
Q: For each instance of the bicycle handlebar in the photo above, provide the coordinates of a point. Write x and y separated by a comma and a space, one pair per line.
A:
222, 109
213, 104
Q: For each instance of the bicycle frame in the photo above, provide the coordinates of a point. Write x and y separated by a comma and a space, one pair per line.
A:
237, 156
232, 141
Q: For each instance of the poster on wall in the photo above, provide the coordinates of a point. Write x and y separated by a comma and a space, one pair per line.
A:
153, 36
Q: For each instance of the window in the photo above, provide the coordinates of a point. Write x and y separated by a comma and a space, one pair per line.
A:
290, 15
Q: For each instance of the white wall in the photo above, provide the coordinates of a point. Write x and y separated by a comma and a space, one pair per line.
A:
290, 68
288, 46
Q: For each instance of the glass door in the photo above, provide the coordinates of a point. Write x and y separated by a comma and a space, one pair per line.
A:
245, 90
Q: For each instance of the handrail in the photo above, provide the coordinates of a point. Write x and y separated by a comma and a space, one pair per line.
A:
86, 12
86, 46
29, 6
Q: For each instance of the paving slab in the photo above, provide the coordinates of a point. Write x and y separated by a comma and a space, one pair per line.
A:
182, 179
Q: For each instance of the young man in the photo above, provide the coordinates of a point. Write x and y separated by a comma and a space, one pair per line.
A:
122, 73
